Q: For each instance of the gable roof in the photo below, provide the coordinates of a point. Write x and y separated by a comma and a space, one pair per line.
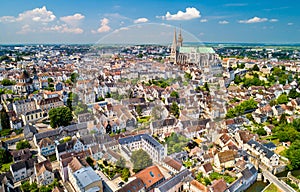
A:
173, 163
170, 183
150, 175
133, 186
42, 167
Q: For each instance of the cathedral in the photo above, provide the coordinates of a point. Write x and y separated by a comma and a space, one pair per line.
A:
199, 56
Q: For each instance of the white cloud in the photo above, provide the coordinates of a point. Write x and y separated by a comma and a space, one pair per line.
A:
104, 27
141, 20
121, 29
290, 24
223, 22
37, 15
203, 20
254, 20
7, 19
273, 20
25, 29
190, 13
73, 20
64, 28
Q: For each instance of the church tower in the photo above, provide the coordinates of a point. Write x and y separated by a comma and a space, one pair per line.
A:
180, 39
173, 55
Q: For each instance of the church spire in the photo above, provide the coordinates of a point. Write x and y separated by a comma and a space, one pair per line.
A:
174, 44
180, 39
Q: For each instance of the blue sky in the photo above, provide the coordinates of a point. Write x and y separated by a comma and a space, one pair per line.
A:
82, 21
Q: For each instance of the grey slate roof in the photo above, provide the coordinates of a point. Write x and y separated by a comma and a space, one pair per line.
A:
168, 184
135, 138
268, 153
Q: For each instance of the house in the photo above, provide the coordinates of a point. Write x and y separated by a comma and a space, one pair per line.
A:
46, 147
270, 145
267, 157
206, 169
196, 186
142, 141
97, 152
22, 169
23, 106
225, 159
259, 118
6, 182
247, 177
162, 126
49, 103
135, 185
218, 186
32, 116
172, 165
151, 177
20, 155
83, 177
176, 183
43, 173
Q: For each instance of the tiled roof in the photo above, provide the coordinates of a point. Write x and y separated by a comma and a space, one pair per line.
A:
150, 176
133, 186
170, 183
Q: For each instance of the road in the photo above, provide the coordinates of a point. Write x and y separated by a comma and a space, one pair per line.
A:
273, 179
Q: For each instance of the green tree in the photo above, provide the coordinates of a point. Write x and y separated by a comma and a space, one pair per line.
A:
293, 94
60, 116
187, 76
237, 79
50, 80
282, 119
121, 163
282, 99
174, 94
293, 154
25, 186
5, 156
174, 109
273, 102
7, 82
261, 131
139, 110
72, 100
4, 119
125, 174
140, 160
255, 68
206, 86
23, 145
90, 161
74, 77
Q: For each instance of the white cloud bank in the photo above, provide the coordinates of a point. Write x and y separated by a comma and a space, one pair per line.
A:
190, 13
254, 20
141, 20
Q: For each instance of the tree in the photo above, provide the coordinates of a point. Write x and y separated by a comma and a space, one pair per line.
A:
121, 163
4, 119
282, 119
139, 110
23, 145
261, 131
293, 153
187, 76
237, 79
140, 160
5, 156
293, 94
125, 174
273, 102
74, 77
50, 80
72, 100
90, 161
255, 68
174, 109
174, 94
282, 99
206, 86
7, 82
60, 116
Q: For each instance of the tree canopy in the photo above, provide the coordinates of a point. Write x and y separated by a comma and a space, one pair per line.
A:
242, 108
282, 99
60, 116
23, 145
140, 160
174, 109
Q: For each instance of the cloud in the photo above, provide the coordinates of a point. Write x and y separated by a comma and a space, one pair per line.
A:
290, 24
64, 28
73, 20
273, 20
203, 20
25, 29
104, 27
121, 29
254, 20
236, 4
190, 13
34, 15
223, 22
141, 20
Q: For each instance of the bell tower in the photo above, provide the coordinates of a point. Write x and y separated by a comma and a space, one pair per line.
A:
180, 39
173, 54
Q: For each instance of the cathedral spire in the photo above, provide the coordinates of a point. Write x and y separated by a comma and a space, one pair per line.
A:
174, 44
180, 39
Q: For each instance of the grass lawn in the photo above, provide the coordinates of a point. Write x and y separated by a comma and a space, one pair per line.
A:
272, 188
280, 150
143, 119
